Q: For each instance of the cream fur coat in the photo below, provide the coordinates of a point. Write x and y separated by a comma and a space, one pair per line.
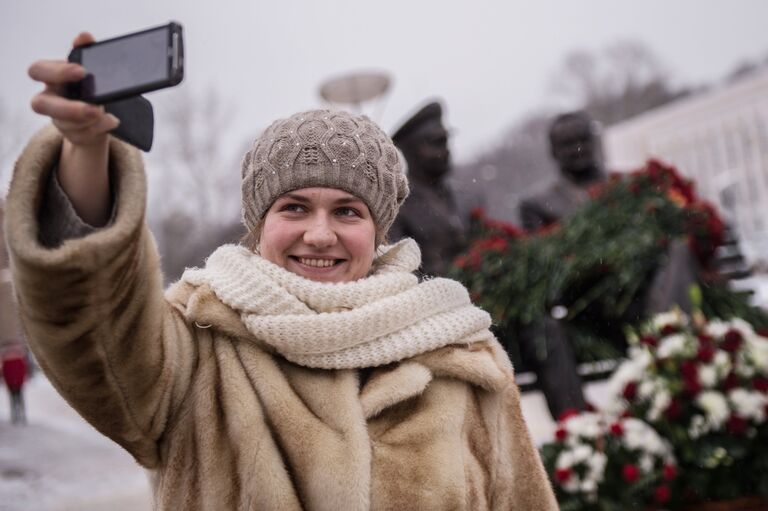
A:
219, 419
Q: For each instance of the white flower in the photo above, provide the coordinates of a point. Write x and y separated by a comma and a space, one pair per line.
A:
743, 366
572, 485
639, 435
708, 375
744, 328
588, 486
722, 362
582, 453
646, 463
748, 404
698, 426
716, 328
671, 318
672, 345
645, 389
715, 406
596, 464
630, 370
586, 425
564, 460
757, 349
661, 401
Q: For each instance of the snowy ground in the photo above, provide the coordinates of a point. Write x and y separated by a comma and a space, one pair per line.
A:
60, 463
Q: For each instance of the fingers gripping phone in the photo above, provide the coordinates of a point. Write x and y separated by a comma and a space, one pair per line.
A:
120, 69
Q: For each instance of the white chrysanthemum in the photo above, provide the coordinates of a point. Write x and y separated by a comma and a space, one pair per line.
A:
582, 453
743, 365
586, 425
708, 375
715, 406
744, 328
645, 389
564, 460
639, 435
722, 362
588, 486
646, 463
717, 328
673, 345
671, 318
573, 484
757, 350
661, 401
596, 464
630, 370
748, 404
698, 426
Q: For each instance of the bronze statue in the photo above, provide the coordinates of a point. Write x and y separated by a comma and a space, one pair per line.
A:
576, 147
430, 214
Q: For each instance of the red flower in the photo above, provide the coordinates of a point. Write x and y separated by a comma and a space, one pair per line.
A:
674, 410
561, 434
567, 414
630, 391
661, 494
617, 429
477, 213
649, 340
732, 341
669, 472
760, 383
691, 387
669, 330
689, 370
730, 382
630, 473
737, 425
562, 475
706, 353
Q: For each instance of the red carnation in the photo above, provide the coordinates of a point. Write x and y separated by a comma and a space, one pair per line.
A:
689, 370
674, 410
661, 494
630, 391
760, 383
732, 341
737, 425
730, 382
691, 387
649, 340
617, 429
669, 472
669, 330
567, 414
477, 213
562, 475
630, 473
561, 434
706, 353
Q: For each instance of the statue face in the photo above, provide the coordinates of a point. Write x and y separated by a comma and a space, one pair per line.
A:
431, 156
576, 148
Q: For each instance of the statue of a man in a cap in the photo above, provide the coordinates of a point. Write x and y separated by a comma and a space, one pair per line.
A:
430, 214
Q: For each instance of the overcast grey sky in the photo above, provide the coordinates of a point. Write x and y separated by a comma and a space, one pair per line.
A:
491, 61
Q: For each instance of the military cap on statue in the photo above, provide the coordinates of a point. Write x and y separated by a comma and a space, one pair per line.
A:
429, 112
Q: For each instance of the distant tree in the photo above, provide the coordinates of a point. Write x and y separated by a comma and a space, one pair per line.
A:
195, 193
615, 83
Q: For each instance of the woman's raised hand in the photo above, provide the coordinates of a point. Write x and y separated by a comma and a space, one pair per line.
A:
81, 123
83, 164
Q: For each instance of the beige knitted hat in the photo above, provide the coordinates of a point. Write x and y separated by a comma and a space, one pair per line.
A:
324, 148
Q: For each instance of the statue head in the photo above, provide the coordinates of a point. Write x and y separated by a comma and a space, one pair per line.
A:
574, 139
423, 141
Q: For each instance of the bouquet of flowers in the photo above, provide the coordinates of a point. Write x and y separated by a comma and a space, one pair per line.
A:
593, 268
603, 463
704, 387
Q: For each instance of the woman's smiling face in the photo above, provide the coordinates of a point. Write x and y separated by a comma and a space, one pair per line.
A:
323, 234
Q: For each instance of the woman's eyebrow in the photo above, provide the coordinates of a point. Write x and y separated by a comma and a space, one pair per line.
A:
293, 196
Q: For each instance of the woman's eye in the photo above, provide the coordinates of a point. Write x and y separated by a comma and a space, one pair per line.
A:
347, 212
297, 208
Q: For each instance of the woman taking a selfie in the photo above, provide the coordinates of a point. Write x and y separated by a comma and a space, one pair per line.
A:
306, 369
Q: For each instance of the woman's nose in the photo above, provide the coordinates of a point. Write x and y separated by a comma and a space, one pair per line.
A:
320, 234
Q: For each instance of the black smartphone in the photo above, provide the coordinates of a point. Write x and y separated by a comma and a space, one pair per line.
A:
129, 65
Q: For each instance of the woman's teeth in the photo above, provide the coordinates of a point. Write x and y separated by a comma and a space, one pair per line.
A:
317, 263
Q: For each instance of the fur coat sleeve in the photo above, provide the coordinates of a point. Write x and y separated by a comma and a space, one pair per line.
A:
93, 308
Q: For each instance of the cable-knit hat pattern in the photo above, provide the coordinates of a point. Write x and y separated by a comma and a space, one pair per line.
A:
327, 149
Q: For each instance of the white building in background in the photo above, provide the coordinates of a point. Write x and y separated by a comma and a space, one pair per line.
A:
718, 138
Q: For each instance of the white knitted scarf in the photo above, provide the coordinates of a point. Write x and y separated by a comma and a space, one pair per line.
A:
385, 317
